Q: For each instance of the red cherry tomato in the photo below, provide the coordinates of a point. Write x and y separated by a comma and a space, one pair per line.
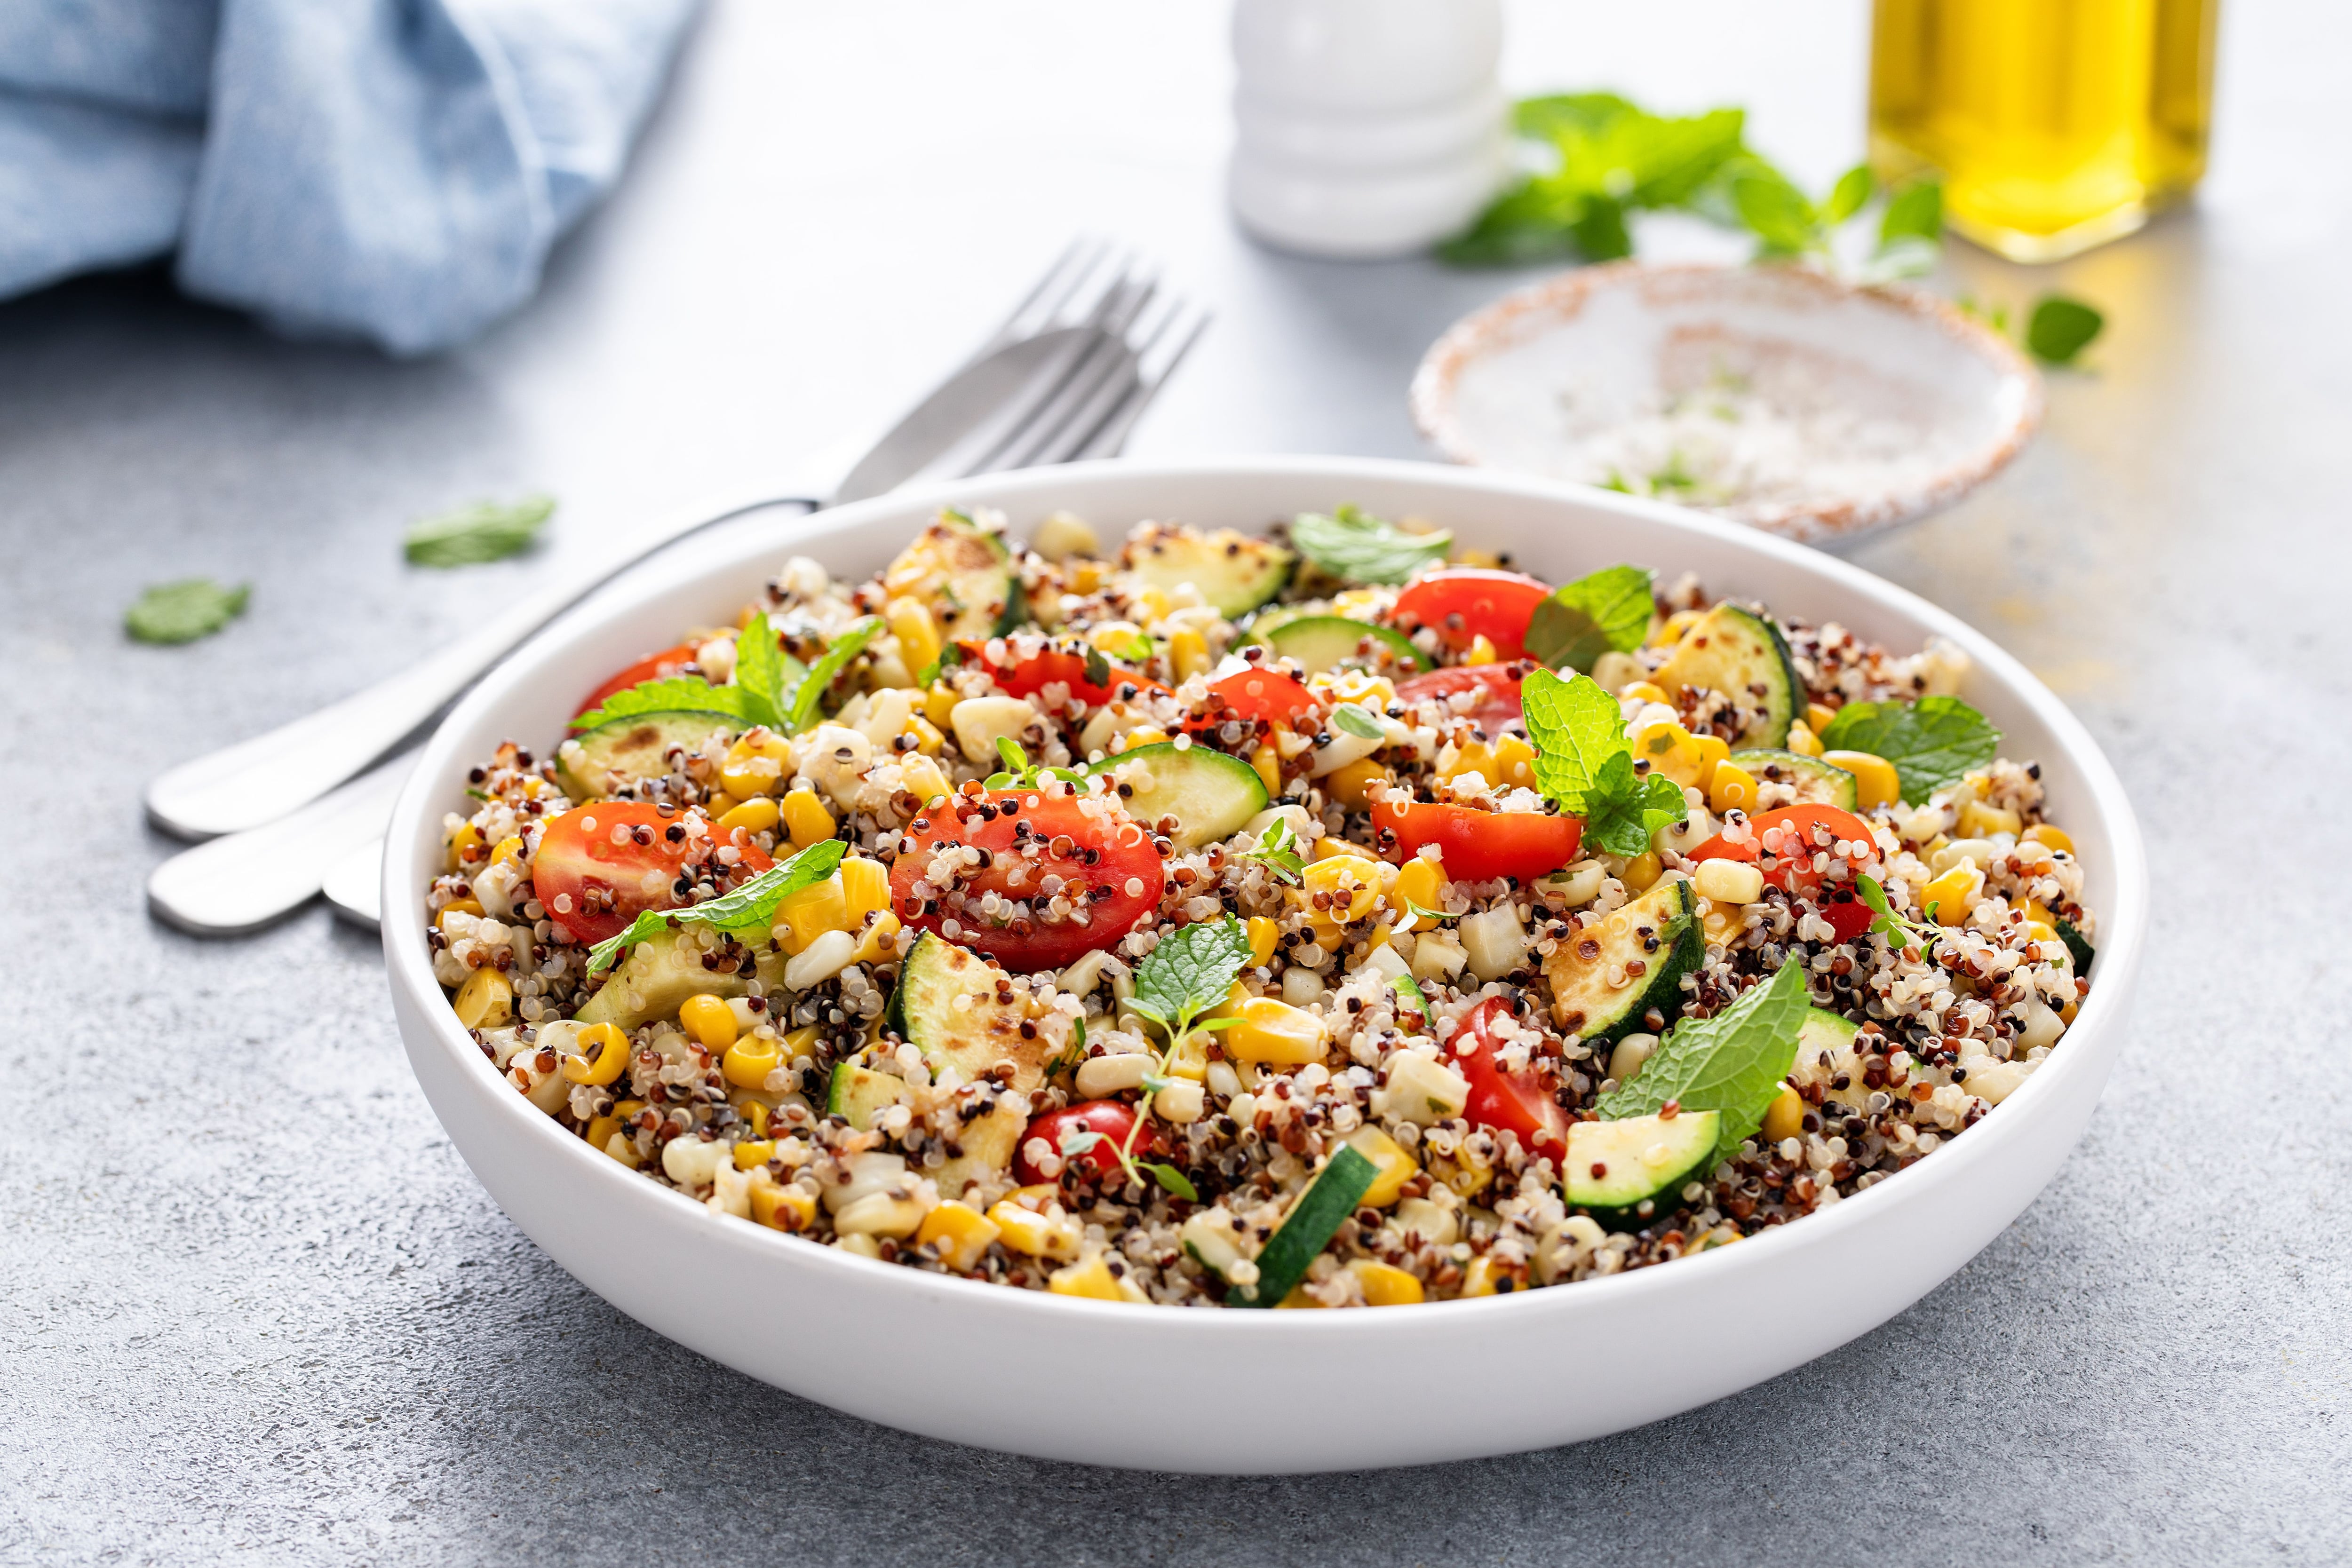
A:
1497, 689
1064, 879
1784, 843
1112, 1118
1480, 846
652, 667
1042, 669
1266, 696
1495, 605
592, 886
1507, 1102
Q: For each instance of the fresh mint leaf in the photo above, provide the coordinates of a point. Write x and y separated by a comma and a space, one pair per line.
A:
1175, 1181
1277, 850
751, 907
760, 673
2061, 327
485, 531
1849, 195
1356, 547
2078, 947
1351, 718
1576, 729
803, 714
1933, 742
1097, 669
1899, 932
1189, 972
643, 928
1914, 212
1731, 1063
671, 693
1771, 207
174, 613
1609, 610
1623, 809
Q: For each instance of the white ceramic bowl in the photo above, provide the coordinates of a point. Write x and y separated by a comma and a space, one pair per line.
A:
1907, 403
1239, 1391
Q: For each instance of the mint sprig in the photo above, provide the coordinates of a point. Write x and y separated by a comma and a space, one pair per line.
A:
1584, 763
802, 711
751, 907
1606, 611
770, 687
1731, 1063
1934, 742
1356, 547
1189, 973
1277, 851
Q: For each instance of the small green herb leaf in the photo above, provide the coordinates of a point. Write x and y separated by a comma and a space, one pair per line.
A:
1782, 220
751, 907
1098, 668
1731, 1063
2061, 327
174, 613
1352, 719
1607, 610
1914, 212
804, 712
1189, 972
485, 531
1357, 547
1277, 850
1622, 811
671, 693
1576, 729
2078, 947
761, 673
1933, 742
1899, 932
1174, 1180
1854, 189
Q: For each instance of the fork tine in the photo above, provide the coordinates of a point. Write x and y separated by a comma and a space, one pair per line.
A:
1076, 407
1170, 342
1046, 295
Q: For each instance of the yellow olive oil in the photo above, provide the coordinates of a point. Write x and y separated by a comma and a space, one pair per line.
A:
2056, 125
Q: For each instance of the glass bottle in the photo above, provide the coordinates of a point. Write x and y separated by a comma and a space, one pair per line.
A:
2057, 125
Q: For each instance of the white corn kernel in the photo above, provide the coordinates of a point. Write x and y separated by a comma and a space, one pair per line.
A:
1728, 881
1100, 1077
821, 960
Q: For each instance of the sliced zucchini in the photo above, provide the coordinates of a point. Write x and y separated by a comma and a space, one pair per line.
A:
1630, 1172
613, 756
858, 1095
1410, 1002
1321, 642
937, 976
1824, 1030
1742, 655
963, 574
2078, 947
659, 974
988, 1144
1658, 932
1234, 573
1314, 1218
1211, 795
1815, 782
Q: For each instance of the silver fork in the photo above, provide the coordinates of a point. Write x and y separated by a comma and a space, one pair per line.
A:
1082, 406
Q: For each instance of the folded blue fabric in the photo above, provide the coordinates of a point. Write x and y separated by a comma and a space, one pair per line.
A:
394, 169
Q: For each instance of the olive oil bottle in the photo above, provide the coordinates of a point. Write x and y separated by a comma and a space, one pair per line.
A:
2056, 125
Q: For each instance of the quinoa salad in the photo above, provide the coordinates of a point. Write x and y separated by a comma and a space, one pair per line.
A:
1336, 918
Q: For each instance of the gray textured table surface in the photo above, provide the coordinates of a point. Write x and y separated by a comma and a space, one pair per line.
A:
252, 1304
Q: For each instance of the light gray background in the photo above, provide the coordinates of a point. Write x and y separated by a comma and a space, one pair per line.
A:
252, 1305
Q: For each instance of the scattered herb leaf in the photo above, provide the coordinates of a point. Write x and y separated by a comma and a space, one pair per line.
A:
1607, 610
1849, 195
2060, 328
1731, 1063
1356, 547
1899, 932
670, 693
2078, 947
803, 711
1933, 742
1583, 762
1352, 719
1915, 212
485, 531
176, 613
1177, 1184
1191, 972
761, 673
1277, 848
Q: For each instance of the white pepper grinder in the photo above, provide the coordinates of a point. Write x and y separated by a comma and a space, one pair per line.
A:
1366, 128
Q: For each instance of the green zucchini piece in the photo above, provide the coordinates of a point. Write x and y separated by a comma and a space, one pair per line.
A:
1742, 655
1233, 573
1659, 931
1314, 1218
1630, 1172
1321, 642
972, 1038
1814, 780
1210, 794
1410, 1003
963, 574
660, 973
613, 756
2078, 947
858, 1095
1826, 1030
988, 1144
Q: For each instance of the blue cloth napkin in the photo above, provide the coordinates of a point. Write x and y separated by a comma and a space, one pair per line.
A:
392, 170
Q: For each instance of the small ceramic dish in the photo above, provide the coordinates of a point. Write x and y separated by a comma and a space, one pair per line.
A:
1775, 396
1241, 1391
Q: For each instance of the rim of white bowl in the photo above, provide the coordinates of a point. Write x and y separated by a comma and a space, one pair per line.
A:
433, 785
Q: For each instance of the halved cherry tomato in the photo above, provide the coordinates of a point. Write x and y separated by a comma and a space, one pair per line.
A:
1482, 845
593, 886
1783, 843
1496, 685
652, 667
1495, 605
1054, 882
1507, 1102
1043, 668
1261, 694
1112, 1118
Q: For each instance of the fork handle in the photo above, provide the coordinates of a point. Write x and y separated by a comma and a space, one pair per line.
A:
261, 780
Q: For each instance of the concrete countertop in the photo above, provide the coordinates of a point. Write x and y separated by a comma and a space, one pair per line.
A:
255, 1308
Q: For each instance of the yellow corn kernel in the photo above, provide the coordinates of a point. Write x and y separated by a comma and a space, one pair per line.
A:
1484, 559
718, 803
938, 705
921, 777
1150, 735
485, 1000
879, 942
800, 1042
1418, 881
1091, 1279
866, 886
603, 1051
755, 765
710, 1020
622, 1150
1084, 576
757, 816
1728, 881
1275, 1032
1875, 782
1150, 603
1954, 893
1785, 1117
748, 1062
1392, 1166
1508, 761
1349, 883
1817, 717
2051, 838
1732, 788
1384, 1284
1351, 786
1642, 872
510, 850
1670, 632
1645, 690
1978, 821
600, 1130
468, 837
1298, 1301
1688, 760
752, 1152
1023, 1229
784, 1208
1482, 651
1266, 760
472, 906
958, 1235
806, 819
1262, 935
810, 914
1188, 654
929, 741
1489, 1275
754, 1114
1803, 742
918, 635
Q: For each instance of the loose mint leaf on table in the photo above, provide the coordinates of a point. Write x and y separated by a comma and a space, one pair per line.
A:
1189, 972
485, 531
1933, 742
176, 613
1583, 762
1731, 1063
1609, 611
1357, 547
751, 907
2061, 327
